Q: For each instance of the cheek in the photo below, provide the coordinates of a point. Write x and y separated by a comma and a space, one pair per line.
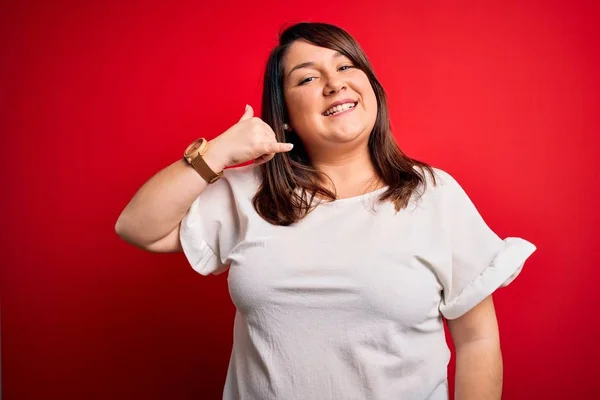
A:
301, 104
369, 94
370, 101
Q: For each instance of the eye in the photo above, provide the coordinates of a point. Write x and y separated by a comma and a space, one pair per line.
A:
306, 80
346, 66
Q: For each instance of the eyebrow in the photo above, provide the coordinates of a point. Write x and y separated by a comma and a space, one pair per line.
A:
311, 63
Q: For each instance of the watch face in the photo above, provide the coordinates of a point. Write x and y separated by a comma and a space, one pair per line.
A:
193, 148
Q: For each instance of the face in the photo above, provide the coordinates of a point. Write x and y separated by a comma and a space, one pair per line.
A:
314, 79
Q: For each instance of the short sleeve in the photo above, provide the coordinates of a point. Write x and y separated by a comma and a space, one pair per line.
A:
210, 228
481, 261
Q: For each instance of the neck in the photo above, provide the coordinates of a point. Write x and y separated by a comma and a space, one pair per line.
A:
349, 171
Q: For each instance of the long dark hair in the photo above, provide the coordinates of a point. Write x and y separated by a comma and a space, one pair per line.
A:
290, 183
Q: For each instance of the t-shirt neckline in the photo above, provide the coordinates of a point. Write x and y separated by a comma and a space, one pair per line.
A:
356, 198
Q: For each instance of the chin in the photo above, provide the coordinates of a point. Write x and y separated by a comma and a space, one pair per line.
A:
350, 131
347, 136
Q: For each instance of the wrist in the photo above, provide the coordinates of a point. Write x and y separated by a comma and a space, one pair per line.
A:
213, 158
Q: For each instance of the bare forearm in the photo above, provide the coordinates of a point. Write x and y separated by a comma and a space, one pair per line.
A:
479, 371
160, 204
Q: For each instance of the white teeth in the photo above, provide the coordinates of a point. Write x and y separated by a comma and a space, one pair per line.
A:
340, 108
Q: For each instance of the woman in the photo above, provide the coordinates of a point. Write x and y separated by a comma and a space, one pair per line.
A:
344, 254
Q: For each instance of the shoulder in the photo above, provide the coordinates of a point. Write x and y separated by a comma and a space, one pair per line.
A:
244, 180
443, 177
436, 179
439, 185
245, 173
450, 192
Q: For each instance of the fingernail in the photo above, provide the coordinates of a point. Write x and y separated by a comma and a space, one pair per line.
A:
289, 146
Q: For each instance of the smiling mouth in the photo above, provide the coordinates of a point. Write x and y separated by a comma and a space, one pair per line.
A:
339, 109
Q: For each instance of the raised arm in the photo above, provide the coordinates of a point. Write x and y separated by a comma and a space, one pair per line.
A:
152, 217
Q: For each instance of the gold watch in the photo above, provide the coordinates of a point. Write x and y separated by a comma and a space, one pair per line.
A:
193, 155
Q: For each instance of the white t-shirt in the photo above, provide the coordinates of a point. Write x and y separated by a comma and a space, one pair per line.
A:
348, 302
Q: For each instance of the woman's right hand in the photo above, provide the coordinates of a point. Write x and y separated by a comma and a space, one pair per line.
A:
249, 139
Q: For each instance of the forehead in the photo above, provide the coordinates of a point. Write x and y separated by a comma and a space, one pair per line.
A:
302, 52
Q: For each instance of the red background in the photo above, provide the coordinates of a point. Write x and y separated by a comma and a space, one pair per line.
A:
97, 97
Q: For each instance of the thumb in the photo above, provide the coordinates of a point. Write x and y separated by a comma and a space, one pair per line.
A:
248, 113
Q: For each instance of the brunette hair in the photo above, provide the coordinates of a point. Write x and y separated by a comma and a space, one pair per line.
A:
290, 183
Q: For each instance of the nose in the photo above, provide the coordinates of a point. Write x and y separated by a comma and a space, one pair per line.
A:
334, 85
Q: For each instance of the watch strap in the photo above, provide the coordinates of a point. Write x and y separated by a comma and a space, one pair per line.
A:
204, 170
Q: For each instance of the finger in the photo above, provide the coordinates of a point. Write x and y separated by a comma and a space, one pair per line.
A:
267, 133
264, 158
274, 147
248, 113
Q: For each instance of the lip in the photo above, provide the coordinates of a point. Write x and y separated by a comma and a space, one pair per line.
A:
337, 103
342, 113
